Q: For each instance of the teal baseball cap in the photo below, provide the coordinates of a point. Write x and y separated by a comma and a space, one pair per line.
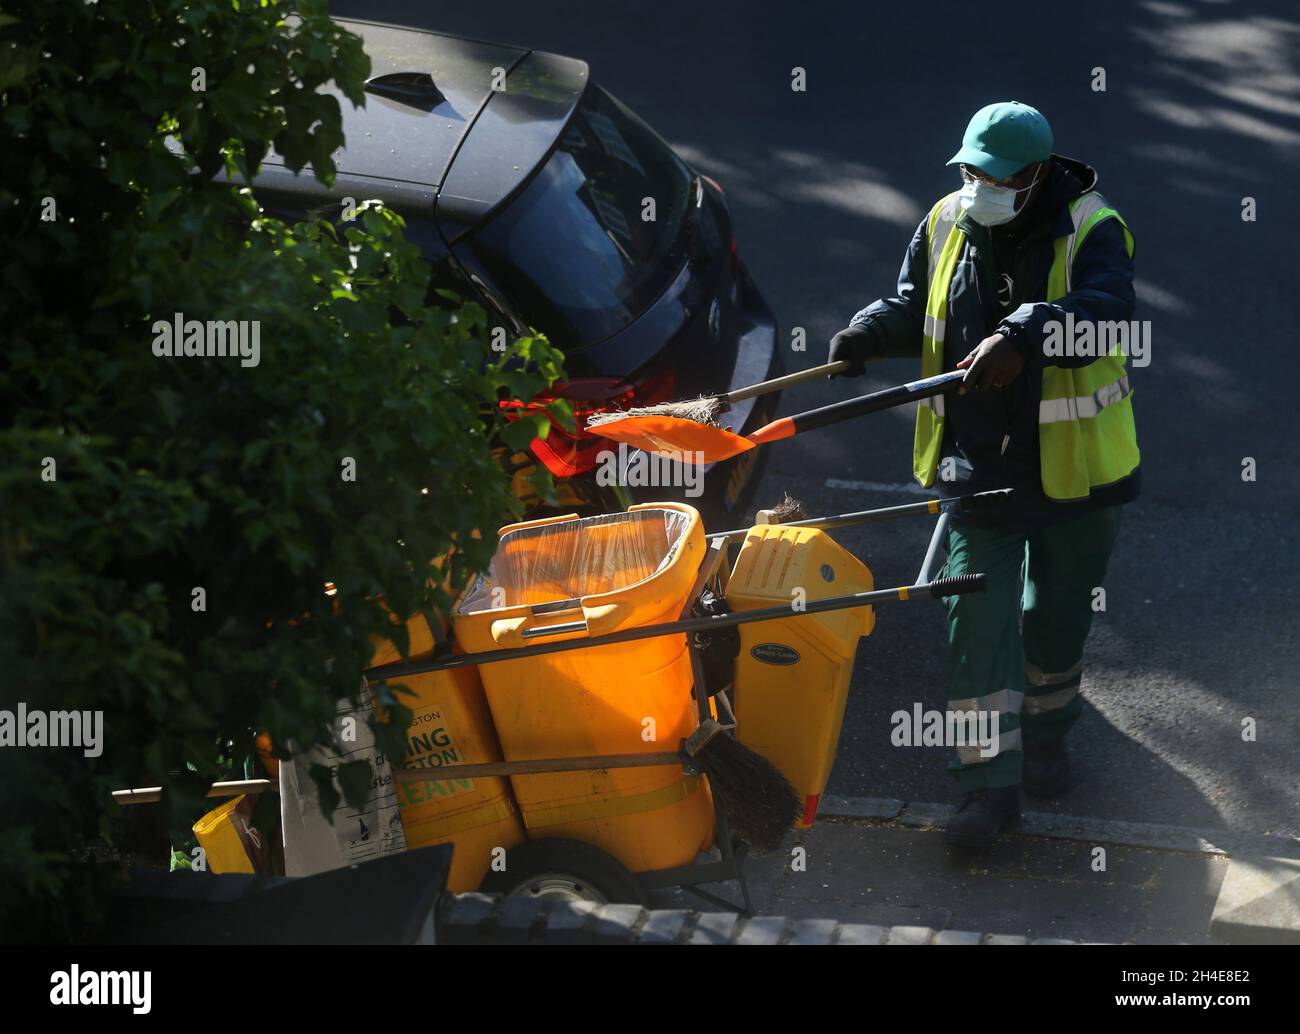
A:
1003, 138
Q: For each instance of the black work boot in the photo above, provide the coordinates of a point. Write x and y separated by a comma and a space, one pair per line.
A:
1047, 770
982, 815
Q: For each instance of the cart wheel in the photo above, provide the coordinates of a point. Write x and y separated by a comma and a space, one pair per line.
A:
567, 869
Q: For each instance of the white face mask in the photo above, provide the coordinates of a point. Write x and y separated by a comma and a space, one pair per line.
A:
988, 204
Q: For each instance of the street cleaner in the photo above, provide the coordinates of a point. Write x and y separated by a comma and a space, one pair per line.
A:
998, 277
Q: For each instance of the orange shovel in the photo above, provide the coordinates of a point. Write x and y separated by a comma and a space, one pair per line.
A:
693, 442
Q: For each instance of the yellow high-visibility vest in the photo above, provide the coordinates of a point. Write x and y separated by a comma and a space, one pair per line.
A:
1086, 435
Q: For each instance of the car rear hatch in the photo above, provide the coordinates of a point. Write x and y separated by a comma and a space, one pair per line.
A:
613, 247
424, 93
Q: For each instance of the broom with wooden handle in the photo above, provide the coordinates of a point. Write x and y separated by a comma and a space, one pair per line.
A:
707, 408
690, 441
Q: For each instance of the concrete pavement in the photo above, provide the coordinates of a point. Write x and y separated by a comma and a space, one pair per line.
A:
1072, 879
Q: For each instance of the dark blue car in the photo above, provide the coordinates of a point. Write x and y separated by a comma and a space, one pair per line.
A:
525, 184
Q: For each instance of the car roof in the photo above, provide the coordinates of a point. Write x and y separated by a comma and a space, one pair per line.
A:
405, 152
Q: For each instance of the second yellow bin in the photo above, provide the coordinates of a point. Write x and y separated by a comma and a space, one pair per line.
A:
609, 573
792, 674
451, 725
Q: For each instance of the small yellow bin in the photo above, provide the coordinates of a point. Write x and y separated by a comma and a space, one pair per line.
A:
612, 572
226, 838
452, 725
792, 674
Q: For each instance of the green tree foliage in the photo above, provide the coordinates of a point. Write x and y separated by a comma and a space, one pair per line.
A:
130, 480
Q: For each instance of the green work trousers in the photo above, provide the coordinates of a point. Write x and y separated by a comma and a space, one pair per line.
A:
1018, 648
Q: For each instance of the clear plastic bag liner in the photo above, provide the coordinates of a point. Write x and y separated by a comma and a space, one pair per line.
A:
572, 559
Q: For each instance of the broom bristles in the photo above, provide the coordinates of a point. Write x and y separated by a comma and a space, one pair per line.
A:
787, 510
759, 802
703, 410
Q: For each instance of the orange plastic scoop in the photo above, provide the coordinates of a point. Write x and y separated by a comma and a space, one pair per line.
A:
693, 442
671, 435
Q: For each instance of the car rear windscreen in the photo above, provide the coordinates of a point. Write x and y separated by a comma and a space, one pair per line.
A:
576, 254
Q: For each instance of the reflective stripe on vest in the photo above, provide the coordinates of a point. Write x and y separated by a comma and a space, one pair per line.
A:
1084, 407
945, 246
1086, 433
1086, 211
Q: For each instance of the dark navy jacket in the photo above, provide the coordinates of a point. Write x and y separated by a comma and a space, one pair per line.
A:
998, 284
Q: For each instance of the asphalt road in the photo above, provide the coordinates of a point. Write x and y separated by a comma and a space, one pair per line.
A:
1201, 110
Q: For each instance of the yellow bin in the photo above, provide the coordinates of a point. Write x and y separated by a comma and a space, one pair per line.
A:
612, 572
451, 725
792, 674
218, 834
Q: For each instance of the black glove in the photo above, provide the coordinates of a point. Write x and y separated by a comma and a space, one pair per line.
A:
855, 344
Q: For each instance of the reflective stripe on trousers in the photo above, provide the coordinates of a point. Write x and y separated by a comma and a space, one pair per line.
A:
1004, 702
973, 753
1040, 698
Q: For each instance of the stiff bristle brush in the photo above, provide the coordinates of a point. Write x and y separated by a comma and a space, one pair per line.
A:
708, 408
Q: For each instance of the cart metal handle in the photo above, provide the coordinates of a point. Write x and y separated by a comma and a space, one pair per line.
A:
479, 770
974, 501
937, 589
943, 507
930, 565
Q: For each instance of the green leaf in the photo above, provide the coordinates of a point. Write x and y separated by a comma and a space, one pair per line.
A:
519, 435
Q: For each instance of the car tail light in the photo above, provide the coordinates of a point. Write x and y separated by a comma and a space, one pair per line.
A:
567, 453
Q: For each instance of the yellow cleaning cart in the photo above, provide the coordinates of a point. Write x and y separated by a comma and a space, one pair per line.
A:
589, 637
557, 721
